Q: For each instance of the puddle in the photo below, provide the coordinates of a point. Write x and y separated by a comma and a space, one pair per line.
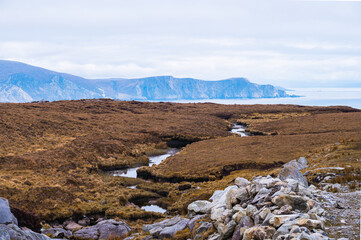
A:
240, 130
153, 160
154, 208
129, 172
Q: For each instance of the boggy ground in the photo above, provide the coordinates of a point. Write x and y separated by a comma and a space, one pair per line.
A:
52, 155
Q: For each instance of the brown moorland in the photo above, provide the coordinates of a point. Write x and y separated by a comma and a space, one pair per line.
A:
285, 139
52, 155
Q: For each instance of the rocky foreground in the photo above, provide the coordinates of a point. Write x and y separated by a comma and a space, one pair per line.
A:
279, 208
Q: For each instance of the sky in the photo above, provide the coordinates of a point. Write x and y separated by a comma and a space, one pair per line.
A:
285, 43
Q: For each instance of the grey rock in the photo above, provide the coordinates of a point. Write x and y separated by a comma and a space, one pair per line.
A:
241, 182
305, 236
169, 232
259, 232
294, 164
14, 231
303, 161
219, 197
285, 228
87, 233
73, 226
57, 233
292, 173
111, 229
217, 213
242, 194
295, 201
261, 195
36, 236
192, 223
228, 230
4, 235
155, 231
214, 236
263, 213
251, 210
246, 222
162, 224
104, 230
278, 220
6, 217
200, 206
205, 226
18, 234
237, 234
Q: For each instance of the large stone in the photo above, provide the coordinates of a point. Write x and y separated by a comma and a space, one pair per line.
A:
112, 229
264, 212
192, 223
278, 220
16, 233
219, 197
246, 222
200, 206
231, 198
292, 173
6, 217
36, 236
310, 224
162, 224
241, 182
242, 194
261, 195
203, 227
237, 234
228, 230
295, 201
73, 226
305, 236
259, 232
217, 213
239, 214
87, 233
4, 235
57, 233
294, 164
303, 161
251, 210
104, 230
214, 236
169, 232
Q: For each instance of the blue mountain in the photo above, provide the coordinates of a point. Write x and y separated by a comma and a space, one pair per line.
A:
20, 82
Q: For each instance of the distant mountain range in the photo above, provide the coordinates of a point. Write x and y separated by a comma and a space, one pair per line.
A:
20, 82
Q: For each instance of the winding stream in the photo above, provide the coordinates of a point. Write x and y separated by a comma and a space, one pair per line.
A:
155, 160
132, 173
240, 130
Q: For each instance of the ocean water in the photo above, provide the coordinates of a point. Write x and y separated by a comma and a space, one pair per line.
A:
309, 97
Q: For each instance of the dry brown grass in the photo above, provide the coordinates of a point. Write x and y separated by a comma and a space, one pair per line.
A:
51, 154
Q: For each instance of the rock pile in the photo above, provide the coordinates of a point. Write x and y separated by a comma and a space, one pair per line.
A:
266, 208
9, 228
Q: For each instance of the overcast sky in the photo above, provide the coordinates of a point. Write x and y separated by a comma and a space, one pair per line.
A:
286, 43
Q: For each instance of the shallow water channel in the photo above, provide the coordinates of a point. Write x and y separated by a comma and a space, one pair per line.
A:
157, 159
153, 160
240, 130
132, 173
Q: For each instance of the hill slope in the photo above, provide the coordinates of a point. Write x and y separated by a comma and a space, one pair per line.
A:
20, 82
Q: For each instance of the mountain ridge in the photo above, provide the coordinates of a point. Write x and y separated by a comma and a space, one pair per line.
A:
20, 82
